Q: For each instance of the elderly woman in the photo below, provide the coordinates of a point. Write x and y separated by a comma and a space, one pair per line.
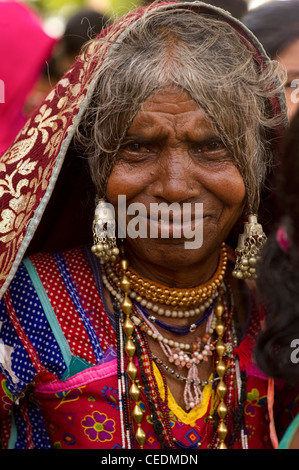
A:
145, 340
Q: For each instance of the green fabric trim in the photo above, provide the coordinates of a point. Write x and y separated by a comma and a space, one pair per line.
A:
49, 312
13, 433
73, 363
77, 365
289, 434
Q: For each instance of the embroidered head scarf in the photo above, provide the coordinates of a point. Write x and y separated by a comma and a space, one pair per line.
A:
37, 161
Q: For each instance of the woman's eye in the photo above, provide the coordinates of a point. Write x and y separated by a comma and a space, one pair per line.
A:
288, 85
211, 147
214, 146
136, 147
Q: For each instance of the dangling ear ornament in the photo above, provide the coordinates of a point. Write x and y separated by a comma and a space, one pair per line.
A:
248, 250
103, 227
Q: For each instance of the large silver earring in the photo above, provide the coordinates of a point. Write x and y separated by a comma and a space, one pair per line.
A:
104, 238
248, 250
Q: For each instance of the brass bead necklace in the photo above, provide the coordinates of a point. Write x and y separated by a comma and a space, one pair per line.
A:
112, 283
221, 369
130, 349
173, 297
131, 371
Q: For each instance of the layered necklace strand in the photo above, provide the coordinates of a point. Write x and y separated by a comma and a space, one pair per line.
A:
149, 293
182, 355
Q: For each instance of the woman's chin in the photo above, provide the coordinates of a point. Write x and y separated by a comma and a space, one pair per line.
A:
172, 253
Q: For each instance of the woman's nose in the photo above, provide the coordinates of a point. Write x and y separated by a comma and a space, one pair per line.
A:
175, 179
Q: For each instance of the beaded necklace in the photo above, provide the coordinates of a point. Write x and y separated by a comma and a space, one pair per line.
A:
229, 382
183, 330
178, 298
135, 341
183, 356
112, 283
159, 407
122, 386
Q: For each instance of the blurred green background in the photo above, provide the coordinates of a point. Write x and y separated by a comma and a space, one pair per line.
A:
64, 8
55, 12
47, 7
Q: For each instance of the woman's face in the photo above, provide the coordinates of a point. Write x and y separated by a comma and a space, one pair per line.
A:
172, 155
289, 58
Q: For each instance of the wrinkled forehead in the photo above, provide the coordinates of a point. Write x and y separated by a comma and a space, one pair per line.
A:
170, 109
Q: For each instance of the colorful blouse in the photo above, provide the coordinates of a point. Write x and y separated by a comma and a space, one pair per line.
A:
59, 367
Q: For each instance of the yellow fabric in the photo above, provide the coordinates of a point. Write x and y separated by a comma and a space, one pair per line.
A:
197, 412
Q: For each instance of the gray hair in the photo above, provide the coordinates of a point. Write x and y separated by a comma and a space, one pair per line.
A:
202, 55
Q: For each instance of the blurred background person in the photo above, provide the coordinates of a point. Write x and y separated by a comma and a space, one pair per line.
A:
276, 25
277, 351
80, 28
237, 8
24, 51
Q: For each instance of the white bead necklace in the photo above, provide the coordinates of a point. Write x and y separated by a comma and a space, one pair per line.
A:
151, 305
181, 355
